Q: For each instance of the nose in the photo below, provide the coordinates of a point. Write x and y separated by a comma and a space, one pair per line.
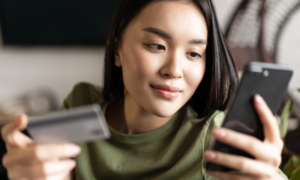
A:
172, 67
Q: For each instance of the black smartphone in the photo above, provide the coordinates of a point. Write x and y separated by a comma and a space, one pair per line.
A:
269, 81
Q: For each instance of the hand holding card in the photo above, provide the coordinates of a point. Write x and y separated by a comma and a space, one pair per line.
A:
26, 160
81, 124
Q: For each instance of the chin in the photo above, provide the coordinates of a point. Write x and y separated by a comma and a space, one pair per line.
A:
163, 110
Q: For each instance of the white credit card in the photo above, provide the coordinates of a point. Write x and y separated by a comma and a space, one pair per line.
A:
79, 124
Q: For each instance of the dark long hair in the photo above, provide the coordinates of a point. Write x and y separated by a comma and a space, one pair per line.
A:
220, 77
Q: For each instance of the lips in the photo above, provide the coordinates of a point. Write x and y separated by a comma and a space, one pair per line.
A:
168, 92
166, 88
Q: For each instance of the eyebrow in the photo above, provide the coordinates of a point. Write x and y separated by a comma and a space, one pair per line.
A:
166, 35
158, 32
198, 41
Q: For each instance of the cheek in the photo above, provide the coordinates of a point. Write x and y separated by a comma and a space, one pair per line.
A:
138, 63
195, 74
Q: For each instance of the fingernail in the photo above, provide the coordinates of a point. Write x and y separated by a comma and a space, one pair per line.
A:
209, 155
72, 163
220, 133
258, 98
75, 149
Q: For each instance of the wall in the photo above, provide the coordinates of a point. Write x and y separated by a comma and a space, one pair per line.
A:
25, 68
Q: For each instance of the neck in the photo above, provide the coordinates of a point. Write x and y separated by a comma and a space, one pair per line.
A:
126, 116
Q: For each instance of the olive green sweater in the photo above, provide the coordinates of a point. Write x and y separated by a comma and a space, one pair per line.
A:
173, 151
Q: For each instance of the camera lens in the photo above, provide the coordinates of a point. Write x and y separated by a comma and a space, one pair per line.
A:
266, 73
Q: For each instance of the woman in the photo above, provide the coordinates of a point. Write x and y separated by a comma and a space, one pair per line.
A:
168, 76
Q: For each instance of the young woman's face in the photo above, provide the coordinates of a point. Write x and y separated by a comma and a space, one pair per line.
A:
162, 55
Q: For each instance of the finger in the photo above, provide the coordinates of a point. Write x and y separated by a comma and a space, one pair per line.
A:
240, 163
12, 136
61, 176
42, 170
271, 129
231, 176
39, 153
249, 144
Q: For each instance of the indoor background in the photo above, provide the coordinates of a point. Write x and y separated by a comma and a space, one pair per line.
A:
25, 69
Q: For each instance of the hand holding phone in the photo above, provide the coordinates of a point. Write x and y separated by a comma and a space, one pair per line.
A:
249, 140
266, 154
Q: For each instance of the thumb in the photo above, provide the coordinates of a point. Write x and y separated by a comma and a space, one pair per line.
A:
12, 135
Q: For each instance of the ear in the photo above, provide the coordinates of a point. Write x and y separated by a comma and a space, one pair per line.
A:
117, 55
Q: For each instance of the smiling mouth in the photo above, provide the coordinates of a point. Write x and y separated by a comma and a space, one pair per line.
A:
168, 92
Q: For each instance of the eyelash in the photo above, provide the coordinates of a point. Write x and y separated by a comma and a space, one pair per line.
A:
157, 46
163, 48
195, 54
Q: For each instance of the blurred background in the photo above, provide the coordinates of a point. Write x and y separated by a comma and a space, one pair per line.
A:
46, 49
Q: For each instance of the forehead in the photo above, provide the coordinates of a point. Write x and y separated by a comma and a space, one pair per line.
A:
179, 18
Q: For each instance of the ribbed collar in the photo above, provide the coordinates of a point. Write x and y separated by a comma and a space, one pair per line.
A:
151, 136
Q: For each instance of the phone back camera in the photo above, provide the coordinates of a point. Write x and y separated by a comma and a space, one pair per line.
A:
266, 73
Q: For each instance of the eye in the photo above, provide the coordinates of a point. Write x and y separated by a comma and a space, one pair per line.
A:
157, 46
194, 55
